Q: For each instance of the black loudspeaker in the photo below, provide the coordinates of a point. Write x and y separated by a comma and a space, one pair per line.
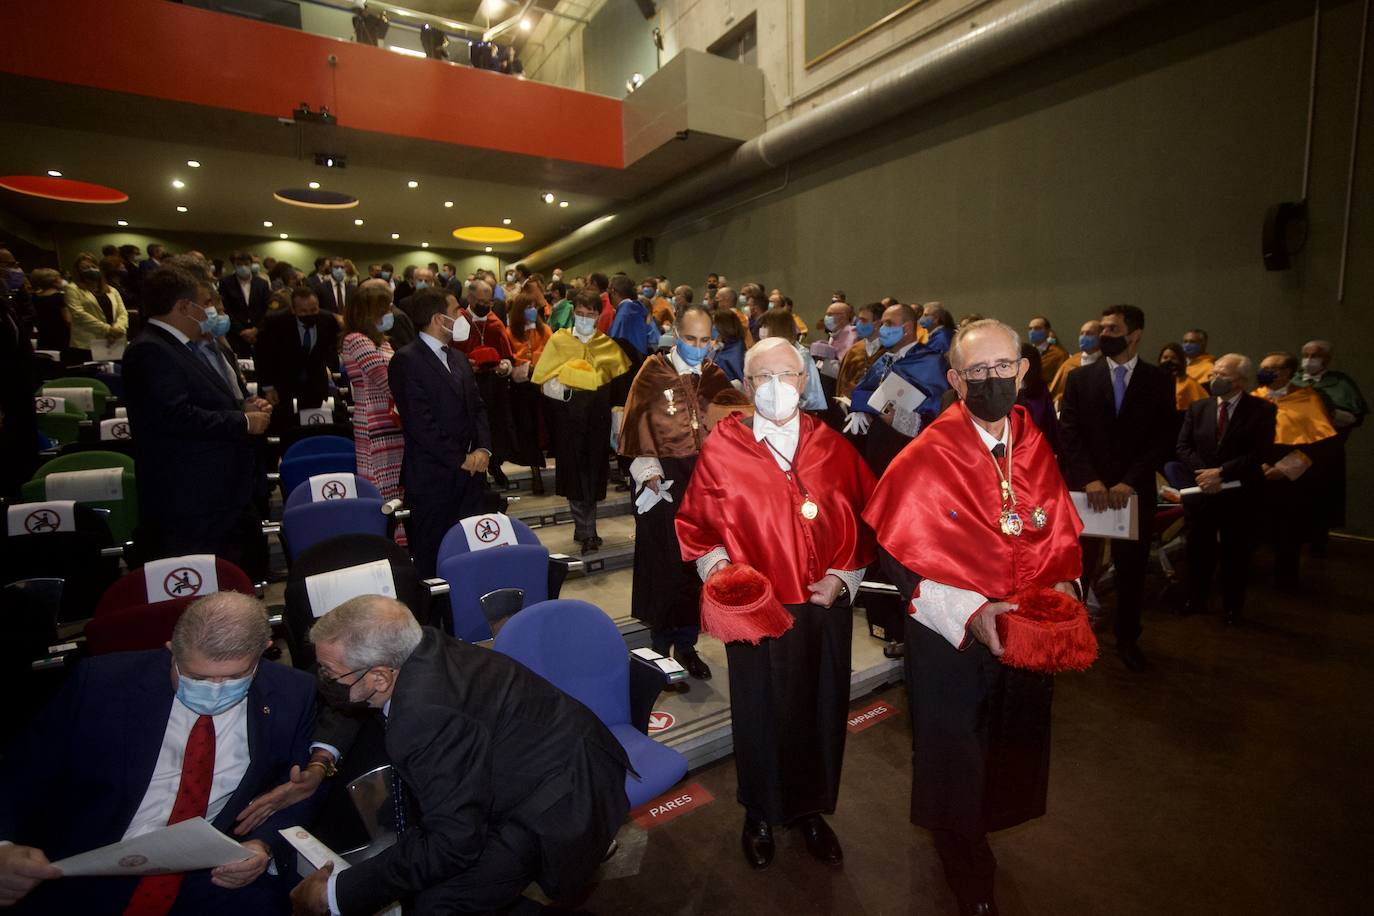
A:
647, 8
644, 249
1285, 233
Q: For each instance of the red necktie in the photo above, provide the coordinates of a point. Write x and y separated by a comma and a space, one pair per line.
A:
1221, 421
155, 894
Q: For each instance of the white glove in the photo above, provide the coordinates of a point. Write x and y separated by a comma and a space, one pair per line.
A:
555, 389
856, 424
522, 372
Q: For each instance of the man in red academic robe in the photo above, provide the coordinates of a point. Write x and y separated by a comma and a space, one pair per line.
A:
488, 349
782, 492
992, 517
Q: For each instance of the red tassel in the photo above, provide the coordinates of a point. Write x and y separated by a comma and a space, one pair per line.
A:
1048, 632
737, 605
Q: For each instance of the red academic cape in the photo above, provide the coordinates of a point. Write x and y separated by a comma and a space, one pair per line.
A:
490, 333
740, 499
937, 509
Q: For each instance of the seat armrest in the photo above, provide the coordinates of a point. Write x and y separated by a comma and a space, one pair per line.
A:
560, 564
650, 674
437, 587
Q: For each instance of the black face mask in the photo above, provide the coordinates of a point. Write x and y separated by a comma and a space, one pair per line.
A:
481, 308
1112, 347
991, 399
1171, 366
335, 695
307, 321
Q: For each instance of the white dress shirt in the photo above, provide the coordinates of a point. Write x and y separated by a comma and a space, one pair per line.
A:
438, 347
231, 763
247, 287
871, 345
647, 467
783, 437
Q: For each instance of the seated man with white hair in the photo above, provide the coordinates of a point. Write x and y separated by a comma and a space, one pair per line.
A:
138, 741
500, 779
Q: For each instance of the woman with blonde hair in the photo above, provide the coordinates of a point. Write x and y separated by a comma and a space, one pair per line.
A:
97, 310
377, 439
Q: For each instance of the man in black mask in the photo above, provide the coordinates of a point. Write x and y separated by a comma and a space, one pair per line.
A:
1116, 428
294, 357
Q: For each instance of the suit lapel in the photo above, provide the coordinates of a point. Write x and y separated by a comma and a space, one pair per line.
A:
145, 724
259, 720
449, 374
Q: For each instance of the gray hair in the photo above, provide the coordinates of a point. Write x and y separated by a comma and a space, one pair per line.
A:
1323, 345
974, 327
372, 631
476, 287
728, 293
1245, 366
224, 626
767, 345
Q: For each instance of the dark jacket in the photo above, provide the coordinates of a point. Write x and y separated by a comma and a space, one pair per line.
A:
480, 742
283, 364
1097, 443
442, 415
1242, 451
85, 763
244, 314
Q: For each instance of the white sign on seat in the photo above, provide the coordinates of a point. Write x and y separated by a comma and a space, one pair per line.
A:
252, 389
48, 404
181, 577
324, 487
491, 530
84, 398
45, 517
316, 416
117, 428
246, 365
95, 485
331, 589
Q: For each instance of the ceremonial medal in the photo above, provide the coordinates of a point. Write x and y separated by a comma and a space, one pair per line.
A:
809, 510
668, 394
1039, 517
1011, 523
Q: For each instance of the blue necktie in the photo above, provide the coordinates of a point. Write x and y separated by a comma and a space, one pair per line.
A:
887, 361
305, 340
1119, 385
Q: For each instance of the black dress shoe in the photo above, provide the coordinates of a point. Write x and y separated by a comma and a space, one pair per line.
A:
595, 542
981, 908
1131, 657
695, 665
821, 841
586, 545
757, 842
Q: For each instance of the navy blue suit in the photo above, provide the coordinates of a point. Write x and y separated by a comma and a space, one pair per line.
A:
443, 419
244, 314
75, 780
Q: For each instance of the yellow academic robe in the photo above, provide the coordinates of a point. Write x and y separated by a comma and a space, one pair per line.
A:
1187, 391
1302, 416
1200, 367
584, 366
1061, 378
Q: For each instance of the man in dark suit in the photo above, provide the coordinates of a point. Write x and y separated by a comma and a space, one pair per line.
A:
332, 288
501, 778
422, 278
295, 356
246, 297
1115, 431
193, 430
137, 741
1225, 438
447, 439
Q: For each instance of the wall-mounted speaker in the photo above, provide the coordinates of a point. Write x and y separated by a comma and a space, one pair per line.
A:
1285, 233
644, 249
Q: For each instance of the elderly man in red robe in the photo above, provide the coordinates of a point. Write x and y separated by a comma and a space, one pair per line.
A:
782, 492
991, 519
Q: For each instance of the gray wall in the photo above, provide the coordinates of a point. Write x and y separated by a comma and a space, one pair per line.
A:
1133, 166
617, 44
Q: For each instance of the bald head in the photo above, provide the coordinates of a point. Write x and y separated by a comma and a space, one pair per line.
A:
726, 298
990, 338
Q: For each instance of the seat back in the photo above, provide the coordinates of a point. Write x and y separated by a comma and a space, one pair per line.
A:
295, 471
318, 445
345, 552
180, 575
40, 542
99, 393
62, 427
456, 539
135, 628
577, 648
472, 575
123, 508
356, 488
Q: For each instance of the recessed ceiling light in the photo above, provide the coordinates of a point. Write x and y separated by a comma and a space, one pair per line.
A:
562, 203
395, 235
424, 244
178, 183
54, 173
267, 224
548, 197
314, 185
412, 184
506, 221
488, 248
193, 163
448, 203
357, 222
121, 222
284, 235
181, 209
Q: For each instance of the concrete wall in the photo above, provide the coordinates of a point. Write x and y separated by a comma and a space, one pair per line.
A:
1133, 166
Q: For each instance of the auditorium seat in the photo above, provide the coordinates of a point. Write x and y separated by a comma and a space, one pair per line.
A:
313, 512
577, 648
62, 427
76, 477
60, 540
472, 573
176, 577
67, 386
135, 627
296, 468
319, 445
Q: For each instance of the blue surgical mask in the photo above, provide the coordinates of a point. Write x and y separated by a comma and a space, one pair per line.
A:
889, 335
243, 271
338, 274
421, 284
210, 698
863, 328
927, 322
648, 292
214, 324
691, 355
531, 315
830, 323
1087, 342
254, 267
584, 325
386, 322
1037, 336
385, 274
1191, 350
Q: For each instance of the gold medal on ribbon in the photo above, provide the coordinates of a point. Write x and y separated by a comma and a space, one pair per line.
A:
1011, 523
1039, 517
809, 510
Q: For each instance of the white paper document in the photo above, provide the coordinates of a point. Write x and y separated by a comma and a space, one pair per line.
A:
330, 589
897, 392
106, 352
647, 498
1110, 523
314, 855
186, 846
1197, 491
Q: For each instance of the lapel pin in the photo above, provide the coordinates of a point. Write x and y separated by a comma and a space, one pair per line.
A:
267, 710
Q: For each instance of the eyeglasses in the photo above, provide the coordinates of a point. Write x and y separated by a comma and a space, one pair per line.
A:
763, 378
1005, 368
325, 675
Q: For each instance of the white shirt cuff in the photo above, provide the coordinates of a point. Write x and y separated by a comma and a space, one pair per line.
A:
852, 579
645, 468
946, 610
331, 896
704, 563
320, 745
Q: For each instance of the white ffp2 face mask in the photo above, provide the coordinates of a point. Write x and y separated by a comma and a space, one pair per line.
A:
461, 330
776, 400
584, 326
